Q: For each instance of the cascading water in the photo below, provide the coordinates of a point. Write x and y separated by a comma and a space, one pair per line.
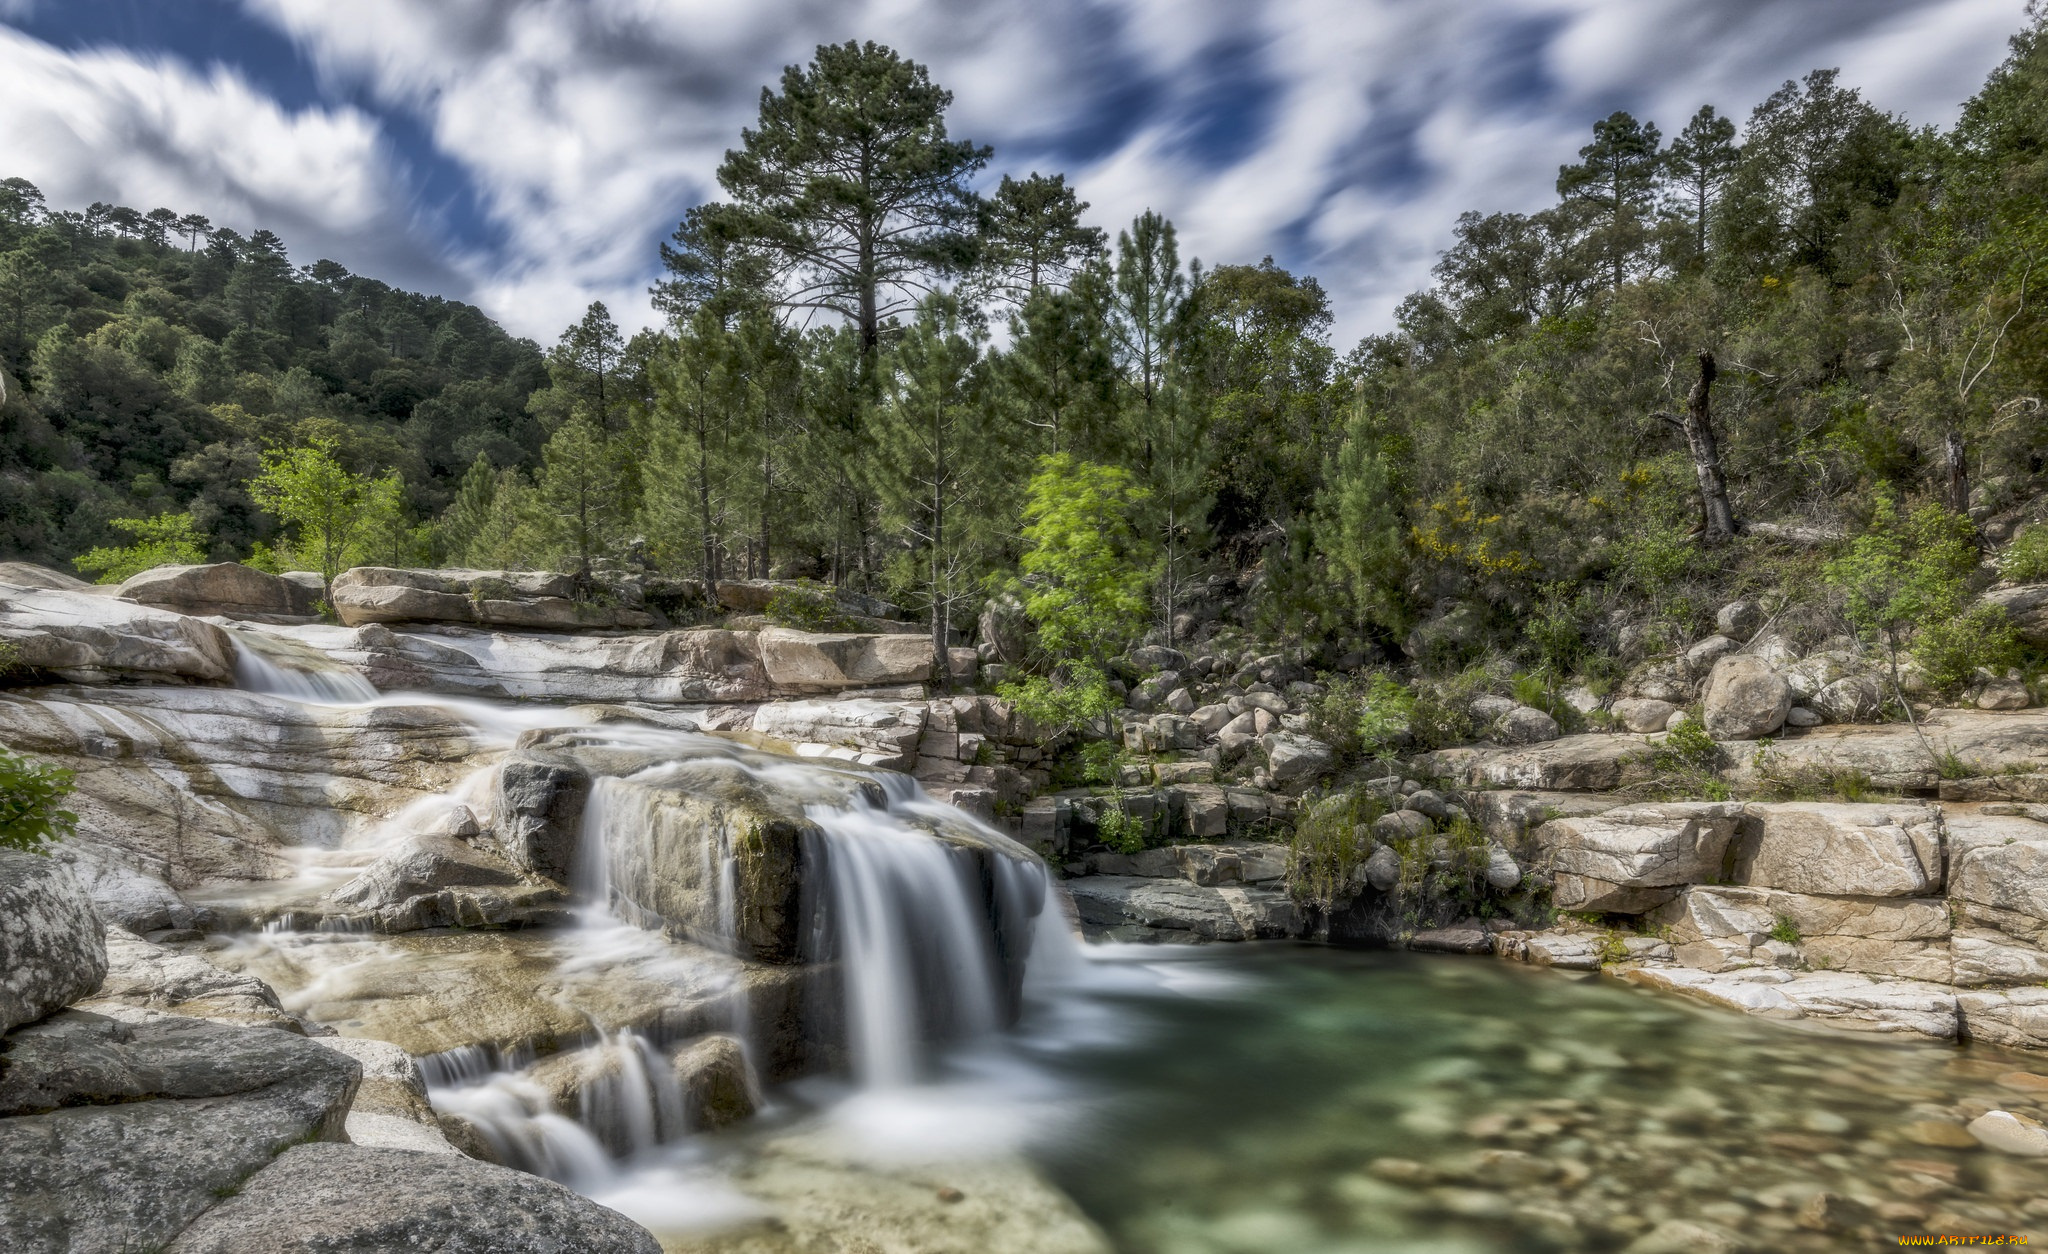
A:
273, 665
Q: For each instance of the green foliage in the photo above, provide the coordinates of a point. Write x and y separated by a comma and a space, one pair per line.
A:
1905, 570
1785, 931
31, 815
1102, 761
1366, 717
1440, 715
339, 519
1078, 697
166, 540
1332, 839
1951, 650
2025, 560
1087, 569
809, 610
1116, 827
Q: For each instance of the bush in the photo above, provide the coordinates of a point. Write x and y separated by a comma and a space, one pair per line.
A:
1362, 718
1951, 650
30, 816
166, 540
1116, 827
805, 610
2026, 558
1080, 698
1331, 838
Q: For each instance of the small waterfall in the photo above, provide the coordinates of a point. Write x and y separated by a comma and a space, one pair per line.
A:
515, 1116
285, 669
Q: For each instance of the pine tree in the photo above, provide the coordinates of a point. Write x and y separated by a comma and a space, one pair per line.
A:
1701, 158
1035, 238
851, 182
1616, 178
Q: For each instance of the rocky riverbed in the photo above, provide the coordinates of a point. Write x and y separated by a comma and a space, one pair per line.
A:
715, 935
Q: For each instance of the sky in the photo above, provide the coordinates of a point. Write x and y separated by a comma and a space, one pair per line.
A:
530, 155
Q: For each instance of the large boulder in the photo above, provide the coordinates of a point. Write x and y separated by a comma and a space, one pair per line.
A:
1745, 699
2026, 605
1722, 926
53, 947
116, 1135
1004, 627
1851, 699
30, 575
226, 589
1635, 858
540, 803
869, 733
1525, 725
391, 1109
1643, 715
1889, 850
803, 661
425, 863
528, 600
90, 639
1295, 759
143, 975
353, 1199
1132, 909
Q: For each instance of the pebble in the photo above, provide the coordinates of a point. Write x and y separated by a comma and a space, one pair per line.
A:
1940, 1134
2009, 1133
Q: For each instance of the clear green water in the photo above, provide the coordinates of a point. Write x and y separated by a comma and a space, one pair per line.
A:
1312, 1100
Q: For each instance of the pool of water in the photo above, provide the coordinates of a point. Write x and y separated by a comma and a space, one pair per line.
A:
1301, 1099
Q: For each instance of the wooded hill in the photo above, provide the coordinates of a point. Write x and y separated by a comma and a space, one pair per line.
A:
1713, 363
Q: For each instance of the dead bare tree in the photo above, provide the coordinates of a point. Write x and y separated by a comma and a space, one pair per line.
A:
1697, 425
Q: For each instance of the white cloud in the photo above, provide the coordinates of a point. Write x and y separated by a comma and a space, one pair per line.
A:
142, 131
587, 126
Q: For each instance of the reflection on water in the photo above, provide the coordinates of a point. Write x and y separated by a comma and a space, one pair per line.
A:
1299, 1099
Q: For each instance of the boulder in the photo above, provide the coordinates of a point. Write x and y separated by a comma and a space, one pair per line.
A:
1664, 679
1402, 825
2008, 1133
30, 575
1851, 699
530, 600
1590, 763
1739, 619
1525, 725
90, 639
540, 812
352, 1199
53, 947
125, 898
1503, 874
2003, 693
802, 661
1891, 850
1383, 869
225, 589
1700, 658
424, 864
1840, 999
390, 1109
143, 975
1125, 908
1634, 858
1745, 699
2013, 1017
1905, 937
1152, 658
1799, 716
1004, 626
864, 732
1643, 714
117, 1135
1296, 759
2026, 606
717, 1084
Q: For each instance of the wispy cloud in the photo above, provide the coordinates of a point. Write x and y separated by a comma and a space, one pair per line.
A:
1342, 136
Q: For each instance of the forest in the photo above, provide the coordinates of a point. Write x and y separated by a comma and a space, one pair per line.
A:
1799, 355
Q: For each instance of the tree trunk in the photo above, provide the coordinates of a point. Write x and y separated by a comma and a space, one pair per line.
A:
1956, 455
1706, 455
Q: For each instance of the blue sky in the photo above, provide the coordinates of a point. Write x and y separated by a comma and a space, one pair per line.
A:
528, 155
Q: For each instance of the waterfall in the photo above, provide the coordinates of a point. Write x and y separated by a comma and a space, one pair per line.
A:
286, 669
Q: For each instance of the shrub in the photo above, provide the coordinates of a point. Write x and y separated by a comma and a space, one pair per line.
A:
2026, 558
1331, 838
1116, 827
1785, 931
30, 816
1952, 650
806, 610
166, 540
1081, 697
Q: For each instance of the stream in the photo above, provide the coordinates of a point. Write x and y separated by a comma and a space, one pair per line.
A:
1226, 1099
